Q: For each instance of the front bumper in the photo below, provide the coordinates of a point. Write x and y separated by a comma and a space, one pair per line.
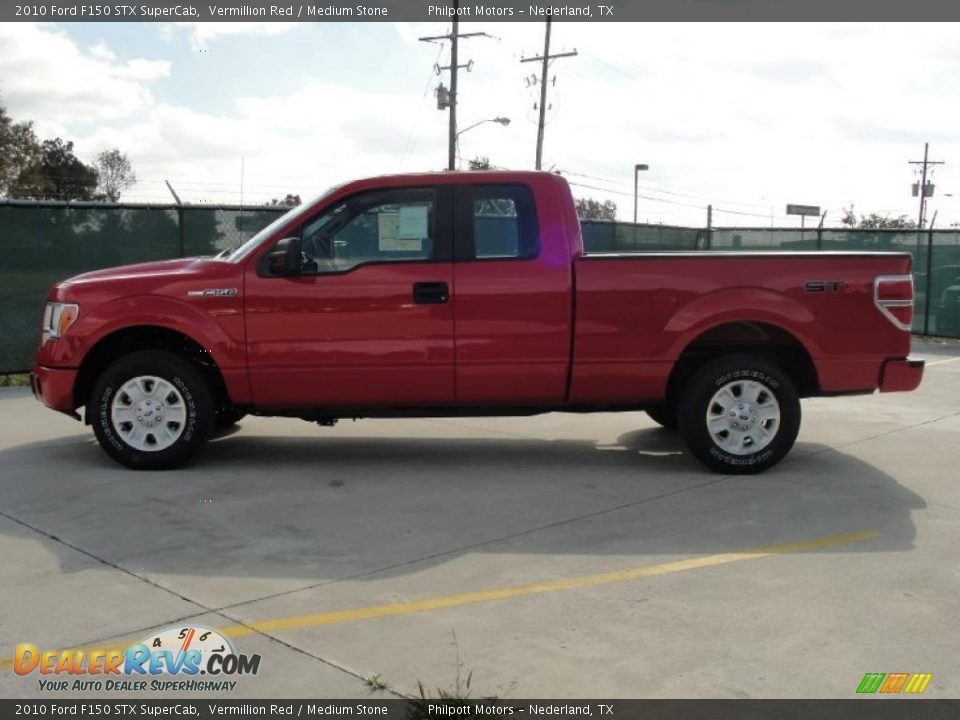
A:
901, 375
54, 387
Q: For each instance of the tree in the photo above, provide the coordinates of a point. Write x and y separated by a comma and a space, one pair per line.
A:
114, 174
18, 149
291, 200
56, 174
875, 221
590, 209
480, 163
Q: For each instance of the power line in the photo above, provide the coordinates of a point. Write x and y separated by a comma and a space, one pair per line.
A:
407, 146
626, 194
677, 192
614, 68
664, 192
678, 203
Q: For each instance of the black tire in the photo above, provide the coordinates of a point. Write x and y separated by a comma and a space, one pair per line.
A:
664, 415
228, 417
696, 402
197, 404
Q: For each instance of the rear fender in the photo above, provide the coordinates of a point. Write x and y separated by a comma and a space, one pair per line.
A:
740, 305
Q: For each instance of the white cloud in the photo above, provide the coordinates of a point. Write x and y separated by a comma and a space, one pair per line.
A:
140, 69
203, 34
101, 52
746, 116
46, 77
299, 142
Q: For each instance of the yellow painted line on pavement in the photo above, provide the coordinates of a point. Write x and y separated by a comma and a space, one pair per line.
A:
619, 576
471, 598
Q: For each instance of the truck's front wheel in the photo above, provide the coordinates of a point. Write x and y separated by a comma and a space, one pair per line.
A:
151, 410
739, 414
664, 415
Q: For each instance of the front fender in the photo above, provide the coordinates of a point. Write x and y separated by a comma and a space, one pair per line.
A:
219, 330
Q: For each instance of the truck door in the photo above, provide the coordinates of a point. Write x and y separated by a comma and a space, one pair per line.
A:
512, 297
369, 322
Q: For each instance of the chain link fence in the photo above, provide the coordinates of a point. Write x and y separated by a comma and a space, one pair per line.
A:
42, 243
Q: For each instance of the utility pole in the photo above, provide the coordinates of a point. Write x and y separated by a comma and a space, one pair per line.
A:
452, 130
453, 67
922, 190
545, 60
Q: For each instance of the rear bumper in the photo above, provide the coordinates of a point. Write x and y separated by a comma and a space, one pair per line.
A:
901, 375
54, 387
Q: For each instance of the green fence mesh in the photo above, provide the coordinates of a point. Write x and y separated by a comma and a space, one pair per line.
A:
599, 237
43, 243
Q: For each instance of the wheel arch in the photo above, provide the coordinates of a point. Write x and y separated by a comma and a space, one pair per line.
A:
124, 340
754, 337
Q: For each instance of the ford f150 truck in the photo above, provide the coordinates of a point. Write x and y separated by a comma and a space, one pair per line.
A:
469, 294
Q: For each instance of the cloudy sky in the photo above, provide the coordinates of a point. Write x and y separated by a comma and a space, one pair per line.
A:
747, 117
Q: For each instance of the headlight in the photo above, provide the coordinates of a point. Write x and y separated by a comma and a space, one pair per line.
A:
58, 317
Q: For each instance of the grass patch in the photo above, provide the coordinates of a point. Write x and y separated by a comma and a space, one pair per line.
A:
16, 380
457, 696
377, 683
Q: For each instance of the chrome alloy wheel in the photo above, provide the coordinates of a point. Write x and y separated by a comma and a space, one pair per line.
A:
743, 417
148, 413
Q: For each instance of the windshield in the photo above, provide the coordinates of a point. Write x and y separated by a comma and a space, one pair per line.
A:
241, 252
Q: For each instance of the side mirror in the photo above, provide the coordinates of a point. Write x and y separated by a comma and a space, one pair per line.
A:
284, 259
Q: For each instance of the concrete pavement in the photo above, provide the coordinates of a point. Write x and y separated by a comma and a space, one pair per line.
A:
282, 523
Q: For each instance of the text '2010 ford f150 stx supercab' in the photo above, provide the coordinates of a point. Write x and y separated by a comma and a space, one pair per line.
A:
469, 294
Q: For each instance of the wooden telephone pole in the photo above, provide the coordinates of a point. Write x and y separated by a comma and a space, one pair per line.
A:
922, 190
453, 67
545, 64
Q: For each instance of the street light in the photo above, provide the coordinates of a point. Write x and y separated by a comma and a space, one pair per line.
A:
498, 120
636, 174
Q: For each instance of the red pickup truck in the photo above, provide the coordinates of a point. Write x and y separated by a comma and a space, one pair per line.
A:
470, 294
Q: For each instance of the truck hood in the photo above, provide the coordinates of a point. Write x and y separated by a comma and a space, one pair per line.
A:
177, 278
166, 268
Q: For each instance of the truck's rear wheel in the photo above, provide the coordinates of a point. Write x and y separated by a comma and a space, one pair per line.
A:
151, 410
739, 414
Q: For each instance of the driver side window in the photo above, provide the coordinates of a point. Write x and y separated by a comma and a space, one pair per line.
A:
378, 226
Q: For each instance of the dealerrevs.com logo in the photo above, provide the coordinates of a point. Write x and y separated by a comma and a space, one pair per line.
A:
177, 658
893, 683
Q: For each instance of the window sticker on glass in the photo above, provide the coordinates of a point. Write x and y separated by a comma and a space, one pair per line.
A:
397, 231
413, 222
388, 225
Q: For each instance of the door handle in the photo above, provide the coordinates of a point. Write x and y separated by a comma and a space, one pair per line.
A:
430, 293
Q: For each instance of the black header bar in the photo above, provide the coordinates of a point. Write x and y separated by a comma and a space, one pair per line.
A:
873, 708
484, 11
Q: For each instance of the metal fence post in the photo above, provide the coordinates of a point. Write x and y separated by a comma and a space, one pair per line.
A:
929, 303
183, 240
709, 226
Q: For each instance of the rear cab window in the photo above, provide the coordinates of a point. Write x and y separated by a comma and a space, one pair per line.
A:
497, 222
